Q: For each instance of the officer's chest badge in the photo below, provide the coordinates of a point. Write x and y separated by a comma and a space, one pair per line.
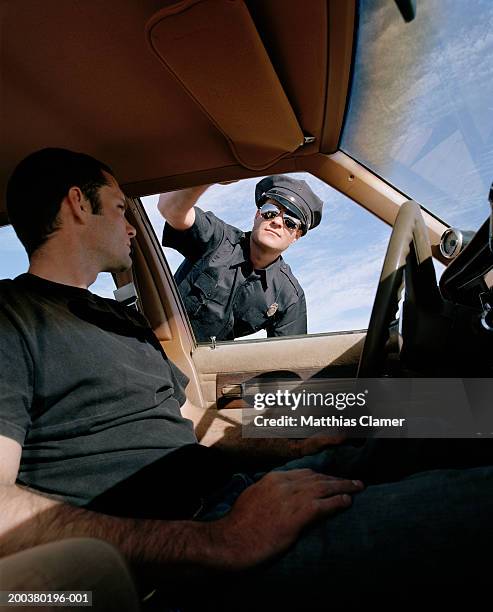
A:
271, 311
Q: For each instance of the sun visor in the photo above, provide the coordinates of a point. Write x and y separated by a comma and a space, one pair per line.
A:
213, 49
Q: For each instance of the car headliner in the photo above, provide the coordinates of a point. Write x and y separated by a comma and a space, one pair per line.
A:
173, 94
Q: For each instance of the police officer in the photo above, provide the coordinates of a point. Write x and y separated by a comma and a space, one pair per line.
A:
234, 283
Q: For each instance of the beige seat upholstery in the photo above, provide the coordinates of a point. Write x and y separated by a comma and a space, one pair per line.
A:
78, 564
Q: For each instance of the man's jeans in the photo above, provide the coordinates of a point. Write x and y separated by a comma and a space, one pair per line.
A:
425, 518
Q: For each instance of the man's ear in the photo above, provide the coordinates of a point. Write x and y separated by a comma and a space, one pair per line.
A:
77, 203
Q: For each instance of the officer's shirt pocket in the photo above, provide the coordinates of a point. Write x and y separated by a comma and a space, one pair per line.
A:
206, 289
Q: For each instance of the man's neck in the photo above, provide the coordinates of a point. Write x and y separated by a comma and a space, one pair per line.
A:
261, 258
55, 267
73, 280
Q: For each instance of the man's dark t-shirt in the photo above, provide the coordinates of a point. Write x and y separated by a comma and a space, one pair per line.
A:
87, 390
222, 293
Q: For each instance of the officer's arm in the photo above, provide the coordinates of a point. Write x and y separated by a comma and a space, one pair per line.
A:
177, 206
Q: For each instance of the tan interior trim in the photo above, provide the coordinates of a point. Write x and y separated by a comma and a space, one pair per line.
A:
287, 354
342, 17
226, 70
353, 180
230, 386
160, 301
203, 177
298, 353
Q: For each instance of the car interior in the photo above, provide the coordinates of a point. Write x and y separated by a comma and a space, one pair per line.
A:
175, 94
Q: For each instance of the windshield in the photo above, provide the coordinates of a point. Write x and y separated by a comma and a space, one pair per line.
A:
421, 107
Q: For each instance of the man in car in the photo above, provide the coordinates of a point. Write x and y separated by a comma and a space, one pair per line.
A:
234, 284
93, 443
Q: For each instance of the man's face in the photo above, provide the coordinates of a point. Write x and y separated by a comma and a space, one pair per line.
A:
272, 234
110, 231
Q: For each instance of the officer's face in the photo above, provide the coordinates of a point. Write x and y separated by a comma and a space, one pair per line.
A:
272, 234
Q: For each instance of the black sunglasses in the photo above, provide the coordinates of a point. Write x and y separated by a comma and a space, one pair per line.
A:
271, 211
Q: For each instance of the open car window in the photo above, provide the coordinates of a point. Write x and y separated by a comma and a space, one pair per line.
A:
13, 258
337, 263
13, 261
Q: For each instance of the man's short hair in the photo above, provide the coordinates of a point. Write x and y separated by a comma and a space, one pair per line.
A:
38, 185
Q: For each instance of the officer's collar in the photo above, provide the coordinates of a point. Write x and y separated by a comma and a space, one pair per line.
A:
243, 254
272, 270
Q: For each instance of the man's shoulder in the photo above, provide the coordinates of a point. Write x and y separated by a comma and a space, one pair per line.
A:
292, 281
22, 295
8, 289
14, 301
17, 301
227, 236
207, 234
232, 233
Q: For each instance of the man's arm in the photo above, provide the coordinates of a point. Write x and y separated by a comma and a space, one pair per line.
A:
177, 206
266, 520
273, 451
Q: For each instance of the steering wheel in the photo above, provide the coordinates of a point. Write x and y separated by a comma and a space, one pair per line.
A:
408, 257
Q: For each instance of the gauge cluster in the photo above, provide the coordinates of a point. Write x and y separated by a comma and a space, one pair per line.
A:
465, 278
453, 241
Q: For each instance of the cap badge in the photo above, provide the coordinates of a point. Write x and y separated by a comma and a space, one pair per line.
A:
271, 311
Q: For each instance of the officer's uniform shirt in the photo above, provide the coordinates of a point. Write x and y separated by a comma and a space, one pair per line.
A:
223, 295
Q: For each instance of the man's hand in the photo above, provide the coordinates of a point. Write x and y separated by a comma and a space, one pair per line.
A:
269, 516
316, 443
266, 519
265, 449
